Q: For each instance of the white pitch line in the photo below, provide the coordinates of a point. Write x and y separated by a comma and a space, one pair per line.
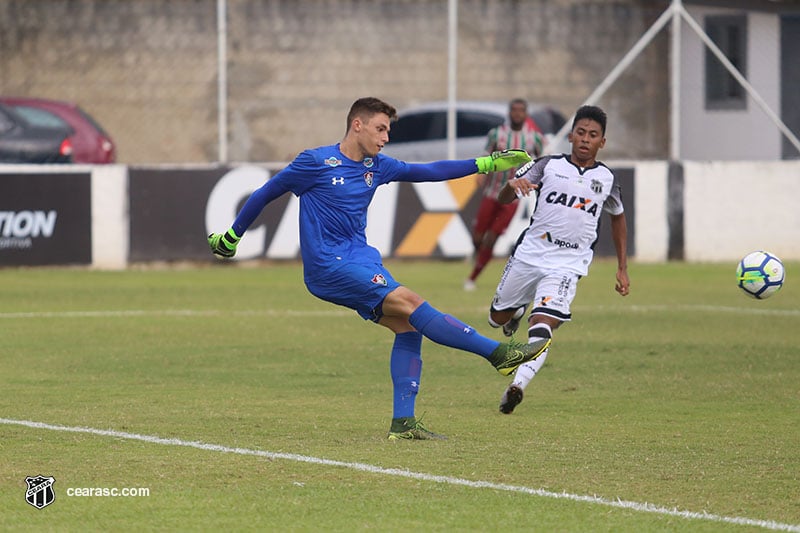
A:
125, 313
363, 467
691, 308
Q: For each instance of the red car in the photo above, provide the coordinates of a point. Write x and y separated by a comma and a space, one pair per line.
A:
90, 143
22, 142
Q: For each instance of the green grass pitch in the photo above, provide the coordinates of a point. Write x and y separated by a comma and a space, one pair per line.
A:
682, 399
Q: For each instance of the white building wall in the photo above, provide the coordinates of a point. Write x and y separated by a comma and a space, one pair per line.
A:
731, 134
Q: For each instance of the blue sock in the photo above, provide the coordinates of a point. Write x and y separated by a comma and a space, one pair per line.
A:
406, 368
444, 329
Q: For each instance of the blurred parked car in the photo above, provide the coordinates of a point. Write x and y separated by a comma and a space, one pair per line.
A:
420, 132
22, 142
90, 142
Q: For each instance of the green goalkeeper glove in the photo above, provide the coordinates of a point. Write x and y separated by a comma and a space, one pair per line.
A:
500, 161
224, 244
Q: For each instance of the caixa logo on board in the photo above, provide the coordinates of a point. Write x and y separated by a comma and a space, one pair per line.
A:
19, 228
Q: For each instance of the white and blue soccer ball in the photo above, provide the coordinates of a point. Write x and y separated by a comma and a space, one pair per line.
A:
760, 274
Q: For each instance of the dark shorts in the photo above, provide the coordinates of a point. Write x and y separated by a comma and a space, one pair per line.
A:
493, 216
358, 286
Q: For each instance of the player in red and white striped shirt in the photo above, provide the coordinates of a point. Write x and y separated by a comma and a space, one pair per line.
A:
493, 217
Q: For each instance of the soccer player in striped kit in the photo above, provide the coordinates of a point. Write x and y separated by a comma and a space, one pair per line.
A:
556, 250
493, 217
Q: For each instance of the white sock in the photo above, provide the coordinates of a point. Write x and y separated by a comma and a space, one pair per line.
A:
527, 371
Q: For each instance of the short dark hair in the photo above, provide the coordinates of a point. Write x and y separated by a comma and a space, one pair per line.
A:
592, 113
368, 106
518, 101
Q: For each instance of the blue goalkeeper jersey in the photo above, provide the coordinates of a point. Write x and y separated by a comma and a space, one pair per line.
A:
335, 193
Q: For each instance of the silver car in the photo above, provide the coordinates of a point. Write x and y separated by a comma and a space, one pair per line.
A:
420, 133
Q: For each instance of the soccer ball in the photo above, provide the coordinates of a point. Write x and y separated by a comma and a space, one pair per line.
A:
760, 274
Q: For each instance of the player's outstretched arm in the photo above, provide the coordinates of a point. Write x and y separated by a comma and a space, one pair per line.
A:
502, 160
451, 169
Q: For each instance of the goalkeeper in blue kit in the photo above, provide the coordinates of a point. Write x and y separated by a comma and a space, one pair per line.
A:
335, 185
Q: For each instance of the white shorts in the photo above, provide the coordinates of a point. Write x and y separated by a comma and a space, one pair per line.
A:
551, 291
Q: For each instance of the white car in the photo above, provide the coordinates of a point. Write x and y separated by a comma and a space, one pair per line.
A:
420, 132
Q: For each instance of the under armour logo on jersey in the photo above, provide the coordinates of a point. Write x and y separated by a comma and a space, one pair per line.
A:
337, 181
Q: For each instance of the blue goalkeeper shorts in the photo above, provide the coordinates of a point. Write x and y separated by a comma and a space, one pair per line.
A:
358, 286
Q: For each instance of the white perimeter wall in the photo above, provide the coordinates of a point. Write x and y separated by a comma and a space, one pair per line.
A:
110, 235
732, 208
729, 209
651, 237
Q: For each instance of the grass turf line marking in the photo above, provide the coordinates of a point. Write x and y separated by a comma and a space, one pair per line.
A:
363, 467
700, 308
126, 313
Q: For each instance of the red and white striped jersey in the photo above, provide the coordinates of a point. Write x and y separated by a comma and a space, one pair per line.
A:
528, 138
